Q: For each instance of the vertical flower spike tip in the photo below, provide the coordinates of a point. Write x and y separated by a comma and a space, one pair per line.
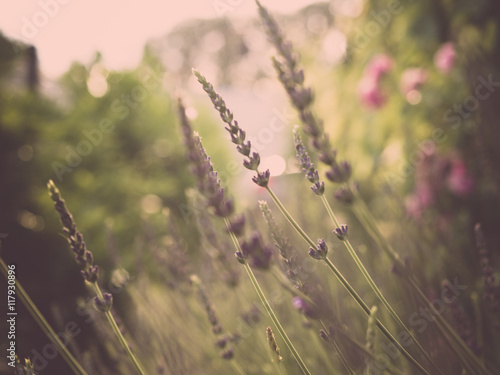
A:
236, 133
83, 257
307, 166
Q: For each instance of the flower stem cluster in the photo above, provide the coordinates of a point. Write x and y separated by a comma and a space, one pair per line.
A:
237, 134
302, 98
210, 187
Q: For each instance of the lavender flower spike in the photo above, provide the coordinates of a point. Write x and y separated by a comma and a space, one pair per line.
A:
208, 181
237, 134
83, 257
307, 166
302, 98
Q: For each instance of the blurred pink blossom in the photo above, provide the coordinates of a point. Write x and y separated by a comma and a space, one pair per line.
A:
459, 181
436, 175
370, 94
445, 57
369, 90
421, 199
379, 65
412, 79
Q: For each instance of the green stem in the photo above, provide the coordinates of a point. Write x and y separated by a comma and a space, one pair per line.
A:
118, 333
362, 348
337, 350
366, 309
289, 217
237, 367
267, 306
44, 325
345, 283
447, 329
372, 284
461, 349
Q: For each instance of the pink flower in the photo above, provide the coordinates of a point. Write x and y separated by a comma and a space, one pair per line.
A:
369, 91
417, 202
378, 66
459, 181
445, 57
412, 79
370, 94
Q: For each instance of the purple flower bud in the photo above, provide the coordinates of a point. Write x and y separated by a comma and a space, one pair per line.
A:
344, 195
216, 328
318, 188
227, 354
221, 342
300, 305
314, 254
262, 178
91, 274
301, 98
227, 116
224, 209
244, 148
241, 257
105, 304
238, 137
341, 232
340, 172
237, 225
322, 248
253, 162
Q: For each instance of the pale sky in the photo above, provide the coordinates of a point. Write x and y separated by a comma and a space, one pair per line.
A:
67, 30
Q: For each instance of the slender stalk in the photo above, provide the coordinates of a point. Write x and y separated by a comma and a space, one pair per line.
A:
448, 330
461, 349
289, 217
337, 350
362, 348
44, 325
372, 284
366, 309
345, 283
267, 306
237, 367
118, 334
